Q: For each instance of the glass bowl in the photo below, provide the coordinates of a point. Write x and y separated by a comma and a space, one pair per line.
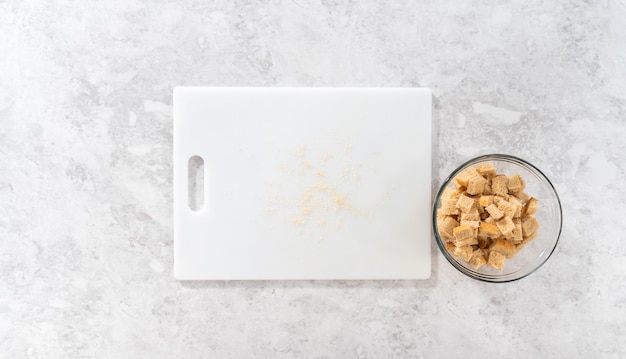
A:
549, 215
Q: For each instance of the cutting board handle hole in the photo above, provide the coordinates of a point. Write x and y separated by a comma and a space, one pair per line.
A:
195, 183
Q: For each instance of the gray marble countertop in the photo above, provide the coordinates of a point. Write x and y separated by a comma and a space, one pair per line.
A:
86, 174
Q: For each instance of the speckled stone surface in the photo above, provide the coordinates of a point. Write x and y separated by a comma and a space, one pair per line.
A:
86, 174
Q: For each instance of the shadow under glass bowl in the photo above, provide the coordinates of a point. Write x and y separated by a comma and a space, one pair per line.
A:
549, 215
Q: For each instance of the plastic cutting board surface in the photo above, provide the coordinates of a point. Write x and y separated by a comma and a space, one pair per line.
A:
302, 183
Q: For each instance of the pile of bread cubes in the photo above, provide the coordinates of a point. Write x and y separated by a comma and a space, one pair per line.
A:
487, 218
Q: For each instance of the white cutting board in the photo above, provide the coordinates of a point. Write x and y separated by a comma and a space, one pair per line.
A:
303, 183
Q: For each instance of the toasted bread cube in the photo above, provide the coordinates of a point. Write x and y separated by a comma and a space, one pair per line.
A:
530, 237
476, 185
448, 207
517, 236
462, 232
496, 259
462, 179
529, 225
486, 169
473, 224
487, 189
515, 184
441, 215
506, 226
472, 172
481, 234
470, 220
471, 216
465, 203
480, 209
451, 193
474, 209
531, 206
494, 211
485, 200
488, 229
464, 252
507, 208
458, 181
503, 246
446, 227
522, 196
499, 185
477, 261
464, 235
471, 241
449, 247
518, 206
517, 232
497, 199
479, 252
490, 220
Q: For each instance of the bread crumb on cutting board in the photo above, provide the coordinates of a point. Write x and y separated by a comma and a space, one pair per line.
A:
325, 183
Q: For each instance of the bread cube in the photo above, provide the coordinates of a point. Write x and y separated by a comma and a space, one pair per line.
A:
531, 206
507, 208
477, 261
465, 203
503, 246
529, 225
485, 200
462, 179
476, 185
451, 193
486, 169
499, 185
522, 196
515, 184
506, 226
488, 230
470, 241
446, 227
518, 206
462, 232
464, 252
480, 209
496, 260
471, 216
448, 207
494, 211
487, 189
517, 232
530, 237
